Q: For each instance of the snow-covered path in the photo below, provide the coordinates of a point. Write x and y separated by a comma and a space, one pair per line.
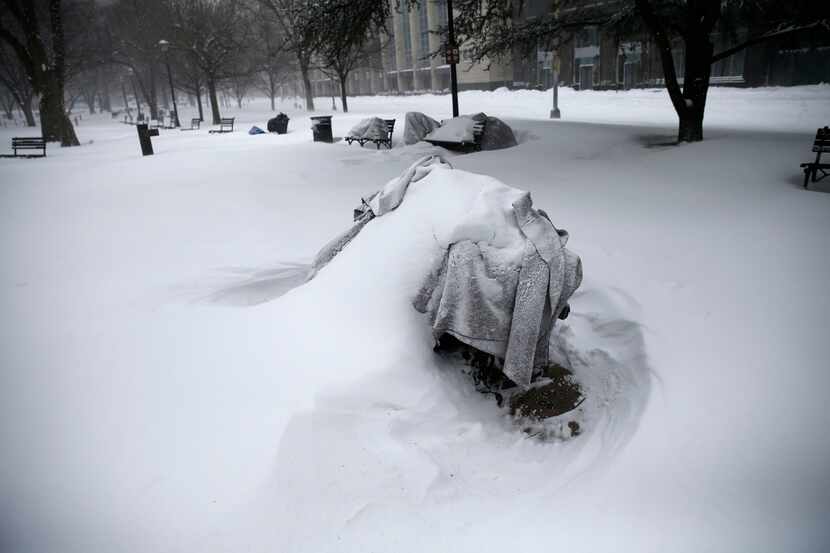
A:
150, 400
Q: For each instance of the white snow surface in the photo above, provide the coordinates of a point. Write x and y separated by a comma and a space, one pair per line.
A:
167, 385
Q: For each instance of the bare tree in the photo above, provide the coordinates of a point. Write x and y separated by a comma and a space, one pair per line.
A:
348, 35
41, 49
495, 29
190, 77
14, 79
272, 61
137, 26
211, 32
298, 29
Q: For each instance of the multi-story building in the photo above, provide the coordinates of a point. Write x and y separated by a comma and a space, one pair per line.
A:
590, 59
405, 63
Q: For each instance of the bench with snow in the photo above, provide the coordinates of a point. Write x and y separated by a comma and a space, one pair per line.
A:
390, 128
820, 146
28, 143
473, 145
225, 125
194, 125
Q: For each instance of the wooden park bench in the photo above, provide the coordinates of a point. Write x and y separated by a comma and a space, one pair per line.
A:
814, 168
225, 125
28, 143
464, 146
390, 128
194, 125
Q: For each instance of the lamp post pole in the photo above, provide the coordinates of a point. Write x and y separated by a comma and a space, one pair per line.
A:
452, 59
555, 113
165, 46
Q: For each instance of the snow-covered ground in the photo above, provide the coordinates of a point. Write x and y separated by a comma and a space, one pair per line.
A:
158, 393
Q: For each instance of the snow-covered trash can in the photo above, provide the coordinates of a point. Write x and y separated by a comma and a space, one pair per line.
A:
321, 128
496, 271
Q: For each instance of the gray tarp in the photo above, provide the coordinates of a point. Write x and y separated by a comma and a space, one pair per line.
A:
506, 310
373, 128
416, 126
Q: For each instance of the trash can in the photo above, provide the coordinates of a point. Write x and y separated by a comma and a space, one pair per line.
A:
278, 124
321, 128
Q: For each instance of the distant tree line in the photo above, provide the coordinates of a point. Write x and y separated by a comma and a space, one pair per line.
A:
56, 53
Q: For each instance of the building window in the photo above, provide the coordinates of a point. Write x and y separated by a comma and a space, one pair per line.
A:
423, 46
441, 10
407, 37
587, 36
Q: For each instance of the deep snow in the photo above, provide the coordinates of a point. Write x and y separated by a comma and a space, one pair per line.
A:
158, 394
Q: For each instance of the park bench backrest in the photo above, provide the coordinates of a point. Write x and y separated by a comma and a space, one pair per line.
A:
28, 143
194, 123
226, 122
822, 143
390, 127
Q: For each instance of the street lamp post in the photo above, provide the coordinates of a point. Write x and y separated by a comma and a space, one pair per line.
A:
165, 47
452, 59
555, 113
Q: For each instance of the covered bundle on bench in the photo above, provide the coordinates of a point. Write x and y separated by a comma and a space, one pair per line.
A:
460, 134
376, 130
815, 169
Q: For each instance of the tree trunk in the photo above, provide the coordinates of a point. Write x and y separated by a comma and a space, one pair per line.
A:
152, 98
343, 93
104, 99
124, 96
54, 123
699, 51
199, 103
309, 94
26, 108
137, 102
214, 101
89, 98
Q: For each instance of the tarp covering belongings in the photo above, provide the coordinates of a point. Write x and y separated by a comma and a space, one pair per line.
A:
372, 128
501, 273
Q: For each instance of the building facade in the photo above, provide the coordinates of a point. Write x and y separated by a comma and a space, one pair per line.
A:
591, 59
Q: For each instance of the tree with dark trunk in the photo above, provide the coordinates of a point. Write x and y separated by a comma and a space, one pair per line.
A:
272, 62
211, 33
491, 30
298, 30
136, 29
41, 50
7, 102
190, 76
348, 36
14, 78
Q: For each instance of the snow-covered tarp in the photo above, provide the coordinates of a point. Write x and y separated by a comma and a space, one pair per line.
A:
457, 129
372, 128
416, 126
500, 275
